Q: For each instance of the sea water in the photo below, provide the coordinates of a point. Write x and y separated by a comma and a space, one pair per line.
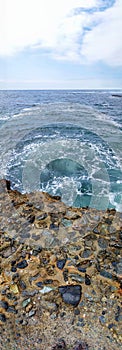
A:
65, 142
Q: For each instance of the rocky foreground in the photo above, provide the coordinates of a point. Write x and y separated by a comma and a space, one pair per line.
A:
60, 275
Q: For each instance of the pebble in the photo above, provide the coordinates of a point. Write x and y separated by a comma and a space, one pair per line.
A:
2, 318
26, 302
31, 313
61, 263
22, 284
71, 294
39, 284
77, 278
4, 304
106, 274
102, 319
12, 310
45, 290
87, 280
22, 264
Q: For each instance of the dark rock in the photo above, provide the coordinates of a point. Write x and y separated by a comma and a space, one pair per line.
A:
61, 263
24, 234
11, 309
106, 274
2, 318
81, 345
13, 269
87, 280
111, 325
31, 313
39, 284
102, 319
22, 264
35, 237
71, 294
42, 217
65, 275
60, 345
4, 304
54, 227
86, 253
102, 243
116, 95
37, 250
81, 269
48, 281
13, 262
108, 221
22, 284
31, 219
96, 230
76, 312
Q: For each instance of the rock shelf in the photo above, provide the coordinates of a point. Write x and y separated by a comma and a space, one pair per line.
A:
60, 274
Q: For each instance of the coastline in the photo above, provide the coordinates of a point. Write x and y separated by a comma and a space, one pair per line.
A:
47, 247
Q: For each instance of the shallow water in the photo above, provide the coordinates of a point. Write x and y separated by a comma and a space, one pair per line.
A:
67, 143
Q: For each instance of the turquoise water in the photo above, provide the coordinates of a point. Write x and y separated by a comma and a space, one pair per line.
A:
67, 143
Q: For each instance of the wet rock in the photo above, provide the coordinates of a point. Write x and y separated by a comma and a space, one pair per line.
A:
71, 294
22, 264
61, 263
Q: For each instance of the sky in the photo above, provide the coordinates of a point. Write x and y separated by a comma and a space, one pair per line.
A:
60, 44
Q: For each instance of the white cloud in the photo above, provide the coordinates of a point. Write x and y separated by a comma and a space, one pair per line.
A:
103, 42
59, 26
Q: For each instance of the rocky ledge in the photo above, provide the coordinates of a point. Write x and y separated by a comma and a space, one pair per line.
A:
60, 274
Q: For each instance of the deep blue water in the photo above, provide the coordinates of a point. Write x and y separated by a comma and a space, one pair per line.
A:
68, 143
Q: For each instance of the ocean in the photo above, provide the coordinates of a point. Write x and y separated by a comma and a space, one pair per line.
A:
64, 142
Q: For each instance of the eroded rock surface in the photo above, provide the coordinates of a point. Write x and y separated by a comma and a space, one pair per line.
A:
60, 274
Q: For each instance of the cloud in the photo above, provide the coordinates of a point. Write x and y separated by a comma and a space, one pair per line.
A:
83, 31
103, 42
